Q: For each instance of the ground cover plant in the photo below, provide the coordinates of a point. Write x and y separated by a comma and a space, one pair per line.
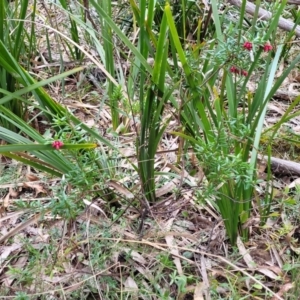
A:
140, 150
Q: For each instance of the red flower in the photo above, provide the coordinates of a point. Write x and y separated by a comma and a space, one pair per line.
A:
248, 46
267, 47
234, 70
57, 144
244, 73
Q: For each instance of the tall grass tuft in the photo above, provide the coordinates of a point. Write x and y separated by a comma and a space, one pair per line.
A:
108, 44
221, 118
14, 35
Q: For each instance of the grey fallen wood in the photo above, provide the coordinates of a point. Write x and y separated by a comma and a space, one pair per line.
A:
284, 167
297, 2
266, 15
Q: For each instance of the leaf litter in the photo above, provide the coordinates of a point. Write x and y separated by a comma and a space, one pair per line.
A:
190, 235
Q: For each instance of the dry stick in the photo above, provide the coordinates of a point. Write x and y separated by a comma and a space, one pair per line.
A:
266, 15
297, 2
87, 14
285, 167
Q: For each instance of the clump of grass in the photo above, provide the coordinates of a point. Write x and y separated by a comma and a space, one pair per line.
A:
204, 87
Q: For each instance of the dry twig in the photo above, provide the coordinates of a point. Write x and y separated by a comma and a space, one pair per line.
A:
266, 15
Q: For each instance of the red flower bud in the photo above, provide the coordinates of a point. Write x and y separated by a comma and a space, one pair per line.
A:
57, 144
267, 47
234, 70
248, 46
244, 73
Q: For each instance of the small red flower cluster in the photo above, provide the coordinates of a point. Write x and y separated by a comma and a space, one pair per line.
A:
267, 47
235, 70
248, 46
57, 144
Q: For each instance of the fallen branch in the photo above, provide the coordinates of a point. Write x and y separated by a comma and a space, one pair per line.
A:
266, 15
284, 167
287, 95
297, 2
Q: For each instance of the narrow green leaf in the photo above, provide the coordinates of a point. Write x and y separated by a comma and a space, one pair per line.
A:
28, 162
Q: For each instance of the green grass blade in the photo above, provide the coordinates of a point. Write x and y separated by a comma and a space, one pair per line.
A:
36, 165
